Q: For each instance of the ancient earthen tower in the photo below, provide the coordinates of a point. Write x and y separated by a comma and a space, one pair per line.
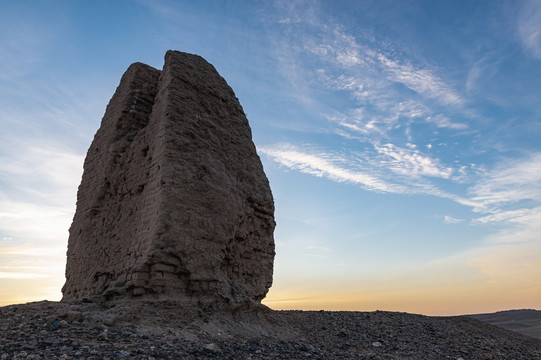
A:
173, 203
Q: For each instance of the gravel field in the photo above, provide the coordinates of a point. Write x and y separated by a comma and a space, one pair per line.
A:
83, 330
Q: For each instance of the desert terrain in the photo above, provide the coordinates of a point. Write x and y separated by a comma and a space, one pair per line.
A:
146, 330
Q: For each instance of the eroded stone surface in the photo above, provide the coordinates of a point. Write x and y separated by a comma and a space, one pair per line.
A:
174, 203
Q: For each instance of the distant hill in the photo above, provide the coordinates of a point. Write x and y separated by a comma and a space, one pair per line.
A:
527, 322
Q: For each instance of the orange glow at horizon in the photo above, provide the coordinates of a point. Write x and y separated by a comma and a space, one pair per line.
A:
480, 281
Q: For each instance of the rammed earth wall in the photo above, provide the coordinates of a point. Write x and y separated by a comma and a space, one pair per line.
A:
174, 203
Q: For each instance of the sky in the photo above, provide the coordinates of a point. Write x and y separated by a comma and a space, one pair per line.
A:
401, 139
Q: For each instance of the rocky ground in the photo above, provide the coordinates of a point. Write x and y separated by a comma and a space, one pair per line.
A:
81, 330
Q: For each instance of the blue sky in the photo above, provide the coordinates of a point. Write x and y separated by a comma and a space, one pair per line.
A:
401, 139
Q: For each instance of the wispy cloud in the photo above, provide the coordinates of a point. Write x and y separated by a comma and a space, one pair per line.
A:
517, 216
529, 27
407, 174
410, 161
423, 81
37, 202
399, 105
510, 182
23, 275
375, 120
364, 60
371, 72
491, 194
442, 121
338, 46
21, 49
482, 70
357, 123
451, 220
510, 195
43, 174
322, 165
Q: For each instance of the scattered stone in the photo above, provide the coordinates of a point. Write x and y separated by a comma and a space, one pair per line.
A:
51, 317
53, 325
123, 353
74, 316
213, 347
29, 347
376, 344
51, 341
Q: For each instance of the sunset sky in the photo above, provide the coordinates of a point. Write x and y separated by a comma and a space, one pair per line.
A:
401, 139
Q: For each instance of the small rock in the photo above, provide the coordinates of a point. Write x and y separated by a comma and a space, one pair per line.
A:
86, 301
75, 307
75, 316
213, 347
102, 335
376, 344
53, 325
123, 353
29, 347
51, 317
52, 341
108, 322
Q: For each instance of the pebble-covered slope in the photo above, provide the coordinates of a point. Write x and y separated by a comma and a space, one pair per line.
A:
47, 330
